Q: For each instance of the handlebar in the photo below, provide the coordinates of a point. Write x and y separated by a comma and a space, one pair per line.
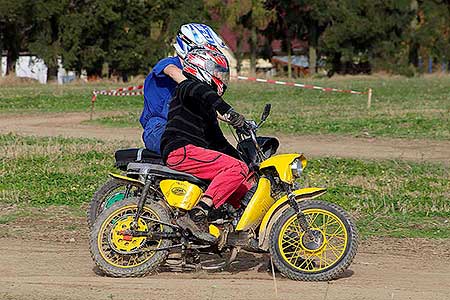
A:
249, 128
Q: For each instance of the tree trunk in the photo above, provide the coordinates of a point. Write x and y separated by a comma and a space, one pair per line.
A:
239, 52
414, 54
313, 42
289, 57
1, 50
253, 47
312, 60
336, 64
10, 63
52, 73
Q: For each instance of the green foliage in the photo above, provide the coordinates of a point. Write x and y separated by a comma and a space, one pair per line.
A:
130, 36
367, 30
353, 35
431, 30
16, 23
45, 35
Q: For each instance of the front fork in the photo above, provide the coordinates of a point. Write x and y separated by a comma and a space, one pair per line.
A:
141, 203
301, 217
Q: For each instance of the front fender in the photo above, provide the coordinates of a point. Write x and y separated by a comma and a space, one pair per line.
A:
128, 180
277, 209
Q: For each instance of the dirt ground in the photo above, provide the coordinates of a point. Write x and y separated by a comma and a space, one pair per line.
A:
45, 257
48, 269
70, 125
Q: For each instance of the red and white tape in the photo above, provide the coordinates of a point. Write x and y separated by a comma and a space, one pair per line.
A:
128, 91
305, 86
125, 91
138, 90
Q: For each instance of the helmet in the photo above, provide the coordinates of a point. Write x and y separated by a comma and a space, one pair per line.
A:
208, 65
192, 35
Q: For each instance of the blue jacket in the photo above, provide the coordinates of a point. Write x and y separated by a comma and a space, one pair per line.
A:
158, 91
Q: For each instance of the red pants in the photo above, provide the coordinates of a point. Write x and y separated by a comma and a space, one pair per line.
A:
229, 176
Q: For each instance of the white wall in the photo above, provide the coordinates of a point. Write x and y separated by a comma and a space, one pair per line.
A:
3, 62
31, 67
28, 67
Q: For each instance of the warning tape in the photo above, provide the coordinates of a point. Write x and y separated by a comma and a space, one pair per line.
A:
305, 86
125, 91
132, 90
128, 91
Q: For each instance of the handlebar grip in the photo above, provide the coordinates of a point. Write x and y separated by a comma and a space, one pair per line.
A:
245, 129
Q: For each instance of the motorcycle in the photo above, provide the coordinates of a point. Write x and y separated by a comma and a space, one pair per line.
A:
308, 239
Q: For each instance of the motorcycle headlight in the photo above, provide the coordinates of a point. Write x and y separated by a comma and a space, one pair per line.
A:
297, 168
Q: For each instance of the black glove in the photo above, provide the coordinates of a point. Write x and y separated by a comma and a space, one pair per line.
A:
234, 118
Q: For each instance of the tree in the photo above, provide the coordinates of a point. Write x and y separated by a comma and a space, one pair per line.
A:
130, 35
15, 25
303, 19
145, 31
367, 30
431, 30
45, 39
84, 34
241, 17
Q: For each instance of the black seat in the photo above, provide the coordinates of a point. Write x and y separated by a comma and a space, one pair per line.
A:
142, 155
168, 173
141, 160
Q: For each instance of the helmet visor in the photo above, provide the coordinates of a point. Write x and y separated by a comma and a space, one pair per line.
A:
221, 73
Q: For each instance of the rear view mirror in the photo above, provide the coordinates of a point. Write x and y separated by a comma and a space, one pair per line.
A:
266, 112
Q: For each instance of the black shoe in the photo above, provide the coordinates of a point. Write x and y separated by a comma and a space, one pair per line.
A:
199, 229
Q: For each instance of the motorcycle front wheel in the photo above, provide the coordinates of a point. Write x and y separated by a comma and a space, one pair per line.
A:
119, 254
322, 257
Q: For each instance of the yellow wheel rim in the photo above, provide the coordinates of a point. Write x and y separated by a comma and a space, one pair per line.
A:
123, 251
327, 249
124, 242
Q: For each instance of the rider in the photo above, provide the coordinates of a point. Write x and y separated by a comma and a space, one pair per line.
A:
160, 84
193, 142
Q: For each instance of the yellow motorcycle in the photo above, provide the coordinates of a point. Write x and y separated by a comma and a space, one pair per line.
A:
307, 239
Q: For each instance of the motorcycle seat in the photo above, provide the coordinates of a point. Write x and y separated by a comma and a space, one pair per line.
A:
125, 156
164, 171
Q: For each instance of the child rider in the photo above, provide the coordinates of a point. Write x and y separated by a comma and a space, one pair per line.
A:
193, 142
160, 84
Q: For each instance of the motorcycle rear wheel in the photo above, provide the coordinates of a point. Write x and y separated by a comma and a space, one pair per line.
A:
119, 255
328, 256
109, 193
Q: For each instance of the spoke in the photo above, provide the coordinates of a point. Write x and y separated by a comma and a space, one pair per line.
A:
334, 247
325, 259
334, 252
330, 238
331, 221
312, 220
336, 231
295, 225
320, 260
291, 242
324, 223
297, 256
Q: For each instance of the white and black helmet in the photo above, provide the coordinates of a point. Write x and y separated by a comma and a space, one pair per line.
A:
208, 65
193, 35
